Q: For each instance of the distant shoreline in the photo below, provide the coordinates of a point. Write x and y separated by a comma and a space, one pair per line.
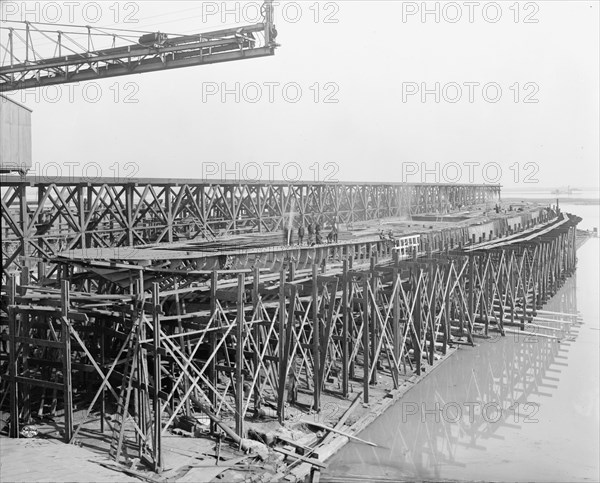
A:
551, 200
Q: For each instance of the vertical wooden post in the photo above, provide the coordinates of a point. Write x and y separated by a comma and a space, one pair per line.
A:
373, 321
366, 337
345, 335
82, 216
239, 358
524, 291
471, 317
545, 272
417, 319
511, 288
212, 366
256, 334
482, 288
157, 377
282, 344
24, 281
432, 309
129, 208
136, 375
352, 332
573, 248
535, 280
25, 351
487, 293
41, 269
102, 362
12, 357
66, 365
396, 323
168, 194
183, 347
316, 340
447, 295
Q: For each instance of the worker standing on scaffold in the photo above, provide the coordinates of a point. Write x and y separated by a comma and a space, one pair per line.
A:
300, 233
311, 232
318, 238
286, 235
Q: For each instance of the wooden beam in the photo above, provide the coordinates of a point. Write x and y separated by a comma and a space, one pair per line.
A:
239, 358
316, 340
157, 378
366, 338
66, 339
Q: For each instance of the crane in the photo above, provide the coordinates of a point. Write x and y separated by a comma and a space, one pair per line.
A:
75, 54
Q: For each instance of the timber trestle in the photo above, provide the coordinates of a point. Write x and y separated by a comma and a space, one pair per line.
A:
242, 343
46, 215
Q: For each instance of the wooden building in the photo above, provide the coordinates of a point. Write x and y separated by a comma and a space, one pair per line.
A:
15, 136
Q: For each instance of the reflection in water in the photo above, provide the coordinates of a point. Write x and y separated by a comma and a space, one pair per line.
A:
514, 408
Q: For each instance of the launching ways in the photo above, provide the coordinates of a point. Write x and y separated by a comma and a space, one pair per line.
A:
236, 341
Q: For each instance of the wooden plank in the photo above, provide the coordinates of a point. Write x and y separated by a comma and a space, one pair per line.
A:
35, 361
203, 315
304, 450
38, 382
28, 309
531, 334
343, 433
311, 461
40, 342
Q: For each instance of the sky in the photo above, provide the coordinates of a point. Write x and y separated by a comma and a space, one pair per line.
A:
502, 92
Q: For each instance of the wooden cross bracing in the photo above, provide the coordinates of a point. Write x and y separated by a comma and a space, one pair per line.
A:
246, 339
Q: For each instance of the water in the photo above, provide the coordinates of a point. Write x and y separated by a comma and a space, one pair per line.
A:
511, 409
549, 194
590, 214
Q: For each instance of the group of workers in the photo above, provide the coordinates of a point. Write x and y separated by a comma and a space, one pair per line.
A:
311, 231
390, 235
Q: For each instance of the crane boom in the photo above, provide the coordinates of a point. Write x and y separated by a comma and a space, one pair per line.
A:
155, 51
